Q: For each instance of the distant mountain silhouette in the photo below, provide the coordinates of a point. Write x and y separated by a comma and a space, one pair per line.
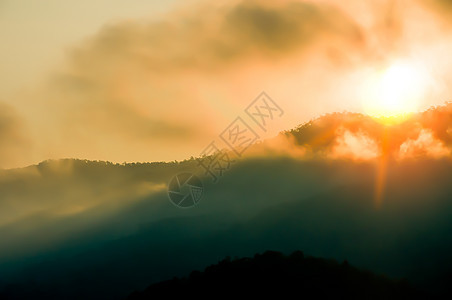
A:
274, 274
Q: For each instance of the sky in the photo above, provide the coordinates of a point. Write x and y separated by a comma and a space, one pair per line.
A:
36, 34
138, 80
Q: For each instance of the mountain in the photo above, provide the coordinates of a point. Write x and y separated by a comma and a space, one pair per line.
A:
72, 229
275, 274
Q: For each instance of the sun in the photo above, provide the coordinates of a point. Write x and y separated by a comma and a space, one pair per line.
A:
395, 92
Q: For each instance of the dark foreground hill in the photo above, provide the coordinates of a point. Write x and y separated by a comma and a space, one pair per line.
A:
273, 273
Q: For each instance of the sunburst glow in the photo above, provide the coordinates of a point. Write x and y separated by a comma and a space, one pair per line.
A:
396, 91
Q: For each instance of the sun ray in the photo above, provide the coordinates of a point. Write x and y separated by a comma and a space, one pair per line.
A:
382, 165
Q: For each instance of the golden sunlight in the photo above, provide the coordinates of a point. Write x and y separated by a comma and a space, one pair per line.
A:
396, 92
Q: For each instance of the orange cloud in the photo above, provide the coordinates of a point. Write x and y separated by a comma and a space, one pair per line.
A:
425, 145
357, 146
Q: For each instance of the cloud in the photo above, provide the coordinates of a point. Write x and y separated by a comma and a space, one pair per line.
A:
209, 37
354, 146
425, 145
144, 91
13, 139
254, 28
442, 8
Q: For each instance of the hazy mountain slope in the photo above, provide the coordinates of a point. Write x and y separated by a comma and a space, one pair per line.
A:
335, 218
93, 230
